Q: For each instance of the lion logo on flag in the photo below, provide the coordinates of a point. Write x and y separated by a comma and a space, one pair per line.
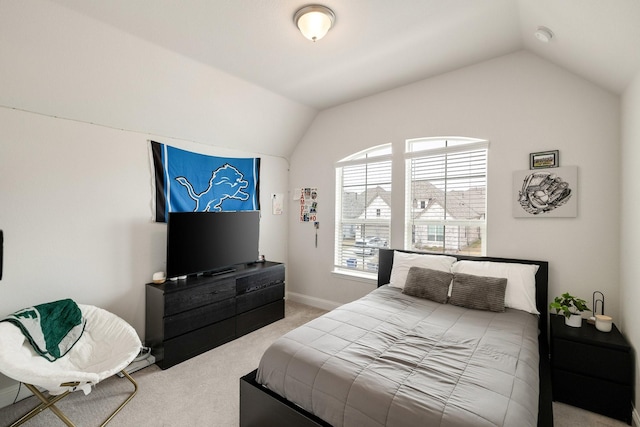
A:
226, 183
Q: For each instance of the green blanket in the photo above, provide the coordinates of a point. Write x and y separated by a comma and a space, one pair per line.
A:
52, 328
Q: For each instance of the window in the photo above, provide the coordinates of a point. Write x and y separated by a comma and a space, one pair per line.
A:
363, 208
435, 233
446, 195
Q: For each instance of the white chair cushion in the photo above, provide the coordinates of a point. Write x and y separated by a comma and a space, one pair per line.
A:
107, 346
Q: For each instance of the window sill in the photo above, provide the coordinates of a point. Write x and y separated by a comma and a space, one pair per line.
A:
360, 276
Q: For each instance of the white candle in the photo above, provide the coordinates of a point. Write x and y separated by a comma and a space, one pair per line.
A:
159, 277
603, 323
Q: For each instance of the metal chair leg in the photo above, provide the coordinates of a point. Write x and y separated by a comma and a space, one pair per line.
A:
135, 390
46, 403
50, 404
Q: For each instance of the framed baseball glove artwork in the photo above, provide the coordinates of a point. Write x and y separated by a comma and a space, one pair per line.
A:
546, 193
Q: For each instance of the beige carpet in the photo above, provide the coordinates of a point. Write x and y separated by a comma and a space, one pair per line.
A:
204, 391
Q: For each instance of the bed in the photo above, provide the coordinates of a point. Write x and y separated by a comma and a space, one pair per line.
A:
392, 358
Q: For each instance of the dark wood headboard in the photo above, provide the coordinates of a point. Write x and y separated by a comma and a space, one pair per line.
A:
542, 277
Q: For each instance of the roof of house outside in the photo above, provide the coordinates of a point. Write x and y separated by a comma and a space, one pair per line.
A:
457, 206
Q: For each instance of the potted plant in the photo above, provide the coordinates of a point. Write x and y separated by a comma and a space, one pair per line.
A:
571, 307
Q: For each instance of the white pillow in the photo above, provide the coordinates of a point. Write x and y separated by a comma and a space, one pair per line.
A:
521, 280
403, 261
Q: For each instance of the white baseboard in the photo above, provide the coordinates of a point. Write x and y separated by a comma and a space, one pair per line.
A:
313, 301
8, 394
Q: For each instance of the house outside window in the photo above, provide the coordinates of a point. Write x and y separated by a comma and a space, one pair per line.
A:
363, 209
446, 185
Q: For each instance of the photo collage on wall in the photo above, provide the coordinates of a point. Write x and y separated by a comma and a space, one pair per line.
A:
308, 204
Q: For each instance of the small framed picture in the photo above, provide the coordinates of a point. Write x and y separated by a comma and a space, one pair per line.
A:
544, 159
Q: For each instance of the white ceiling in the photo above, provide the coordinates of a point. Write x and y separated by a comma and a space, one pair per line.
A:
380, 44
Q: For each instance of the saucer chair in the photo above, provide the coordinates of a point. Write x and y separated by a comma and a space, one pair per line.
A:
107, 346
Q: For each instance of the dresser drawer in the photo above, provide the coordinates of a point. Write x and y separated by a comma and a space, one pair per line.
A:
265, 278
259, 298
187, 321
185, 346
197, 296
261, 316
594, 361
596, 395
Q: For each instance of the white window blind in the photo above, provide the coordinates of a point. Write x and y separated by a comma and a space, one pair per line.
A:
446, 195
363, 209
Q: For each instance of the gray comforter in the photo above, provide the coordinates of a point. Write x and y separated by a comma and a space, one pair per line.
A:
389, 359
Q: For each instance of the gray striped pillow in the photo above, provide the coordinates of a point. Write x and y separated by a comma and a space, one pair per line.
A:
478, 292
427, 283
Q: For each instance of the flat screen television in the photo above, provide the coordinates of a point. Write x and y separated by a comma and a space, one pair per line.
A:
210, 242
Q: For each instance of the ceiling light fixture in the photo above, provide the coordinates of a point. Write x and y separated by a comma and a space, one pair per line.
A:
314, 21
544, 34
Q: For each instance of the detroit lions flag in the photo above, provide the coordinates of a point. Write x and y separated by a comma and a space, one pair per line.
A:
192, 182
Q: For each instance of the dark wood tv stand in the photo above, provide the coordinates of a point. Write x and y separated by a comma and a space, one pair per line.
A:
187, 317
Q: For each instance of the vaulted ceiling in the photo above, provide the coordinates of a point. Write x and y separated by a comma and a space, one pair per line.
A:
377, 45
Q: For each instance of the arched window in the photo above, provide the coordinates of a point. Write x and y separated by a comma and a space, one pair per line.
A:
446, 203
363, 208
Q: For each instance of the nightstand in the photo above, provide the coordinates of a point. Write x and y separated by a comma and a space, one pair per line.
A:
592, 370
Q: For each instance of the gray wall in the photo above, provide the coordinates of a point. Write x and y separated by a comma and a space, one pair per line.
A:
630, 226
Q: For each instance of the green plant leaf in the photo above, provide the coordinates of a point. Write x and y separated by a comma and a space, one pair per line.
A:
568, 304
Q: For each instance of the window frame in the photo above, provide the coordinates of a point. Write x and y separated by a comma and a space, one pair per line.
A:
374, 155
418, 148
